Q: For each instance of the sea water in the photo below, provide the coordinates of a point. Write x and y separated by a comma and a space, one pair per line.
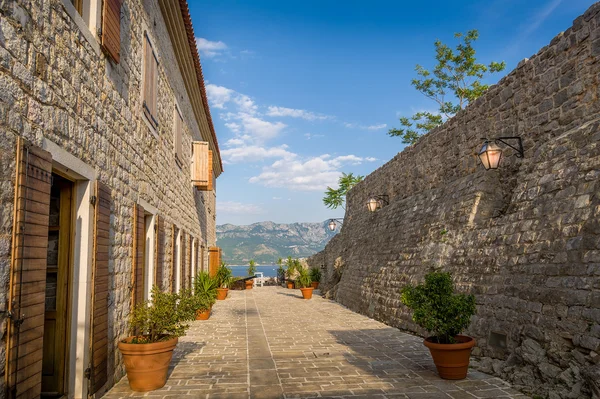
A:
242, 271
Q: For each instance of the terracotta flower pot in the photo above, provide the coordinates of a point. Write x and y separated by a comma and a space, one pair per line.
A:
147, 364
307, 292
451, 360
203, 315
290, 285
222, 293
315, 284
249, 284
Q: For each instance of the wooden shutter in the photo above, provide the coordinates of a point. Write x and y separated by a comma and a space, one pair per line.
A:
214, 260
173, 254
111, 28
200, 164
139, 242
178, 127
207, 183
183, 261
202, 257
150, 83
160, 252
28, 272
99, 333
189, 264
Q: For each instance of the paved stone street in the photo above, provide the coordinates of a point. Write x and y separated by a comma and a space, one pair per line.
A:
269, 343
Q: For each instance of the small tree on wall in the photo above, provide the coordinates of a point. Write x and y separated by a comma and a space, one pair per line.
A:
454, 82
335, 198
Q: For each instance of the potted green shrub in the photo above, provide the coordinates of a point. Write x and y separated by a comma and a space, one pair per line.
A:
251, 272
280, 271
224, 280
289, 272
304, 282
444, 314
205, 288
315, 276
156, 326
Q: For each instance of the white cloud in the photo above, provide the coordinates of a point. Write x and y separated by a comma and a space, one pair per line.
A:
370, 159
313, 174
234, 127
277, 198
255, 153
365, 127
232, 207
234, 142
210, 48
312, 136
218, 95
295, 113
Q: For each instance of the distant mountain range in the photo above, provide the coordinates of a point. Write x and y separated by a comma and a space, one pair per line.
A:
265, 242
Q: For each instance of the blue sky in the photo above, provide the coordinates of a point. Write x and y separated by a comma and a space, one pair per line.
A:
301, 91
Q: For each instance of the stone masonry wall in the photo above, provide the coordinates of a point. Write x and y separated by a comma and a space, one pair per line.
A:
525, 239
55, 83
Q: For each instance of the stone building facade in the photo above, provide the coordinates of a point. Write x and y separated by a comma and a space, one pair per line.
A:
84, 168
525, 239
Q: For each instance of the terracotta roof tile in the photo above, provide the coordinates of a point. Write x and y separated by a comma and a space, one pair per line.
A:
187, 19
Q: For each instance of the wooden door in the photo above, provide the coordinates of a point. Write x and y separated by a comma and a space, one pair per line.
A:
55, 345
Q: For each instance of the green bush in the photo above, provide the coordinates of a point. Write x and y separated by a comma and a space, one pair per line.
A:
251, 267
303, 279
437, 308
205, 287
315, 274
162, 318
224, 276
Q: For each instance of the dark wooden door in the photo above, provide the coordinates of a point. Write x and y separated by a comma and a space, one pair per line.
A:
57, 287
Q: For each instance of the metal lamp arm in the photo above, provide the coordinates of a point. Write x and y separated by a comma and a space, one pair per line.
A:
519, 149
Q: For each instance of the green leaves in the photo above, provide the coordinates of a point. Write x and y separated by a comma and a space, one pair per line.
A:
162, 318
437, 309
315, 274
224, 276
458, 75
335, 198
303, 279
251, 267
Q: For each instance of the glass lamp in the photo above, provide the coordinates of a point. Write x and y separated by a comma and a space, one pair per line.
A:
332, 225
490, 155
373, 204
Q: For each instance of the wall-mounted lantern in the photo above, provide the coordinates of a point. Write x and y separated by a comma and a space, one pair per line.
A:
377, 202
333, 223
491, 153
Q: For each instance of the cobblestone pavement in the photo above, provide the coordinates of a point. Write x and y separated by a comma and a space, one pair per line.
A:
269, 343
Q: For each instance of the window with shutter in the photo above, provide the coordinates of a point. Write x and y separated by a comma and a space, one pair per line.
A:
139, 249
177, 132
150, 83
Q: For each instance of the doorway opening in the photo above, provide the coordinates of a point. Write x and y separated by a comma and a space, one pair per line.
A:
57, 299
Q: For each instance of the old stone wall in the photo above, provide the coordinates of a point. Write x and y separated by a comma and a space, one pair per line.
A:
56, 84
525, 239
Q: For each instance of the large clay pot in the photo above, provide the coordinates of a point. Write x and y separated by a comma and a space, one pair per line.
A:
307, 292
222, 293
315, 284
451, 360
203, 315
290, 285
249, 284
147, 364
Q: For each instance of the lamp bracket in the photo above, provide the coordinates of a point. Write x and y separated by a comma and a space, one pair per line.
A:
383, 198
518, 147
337, 220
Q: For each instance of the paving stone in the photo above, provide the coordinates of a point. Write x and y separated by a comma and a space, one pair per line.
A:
261, 344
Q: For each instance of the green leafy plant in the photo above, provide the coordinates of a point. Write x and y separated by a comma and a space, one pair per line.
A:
315, 274
456, 75
162, 318
205, 287
303, 279
251, 267
336, 197
437, 308
224, 276
290, 268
